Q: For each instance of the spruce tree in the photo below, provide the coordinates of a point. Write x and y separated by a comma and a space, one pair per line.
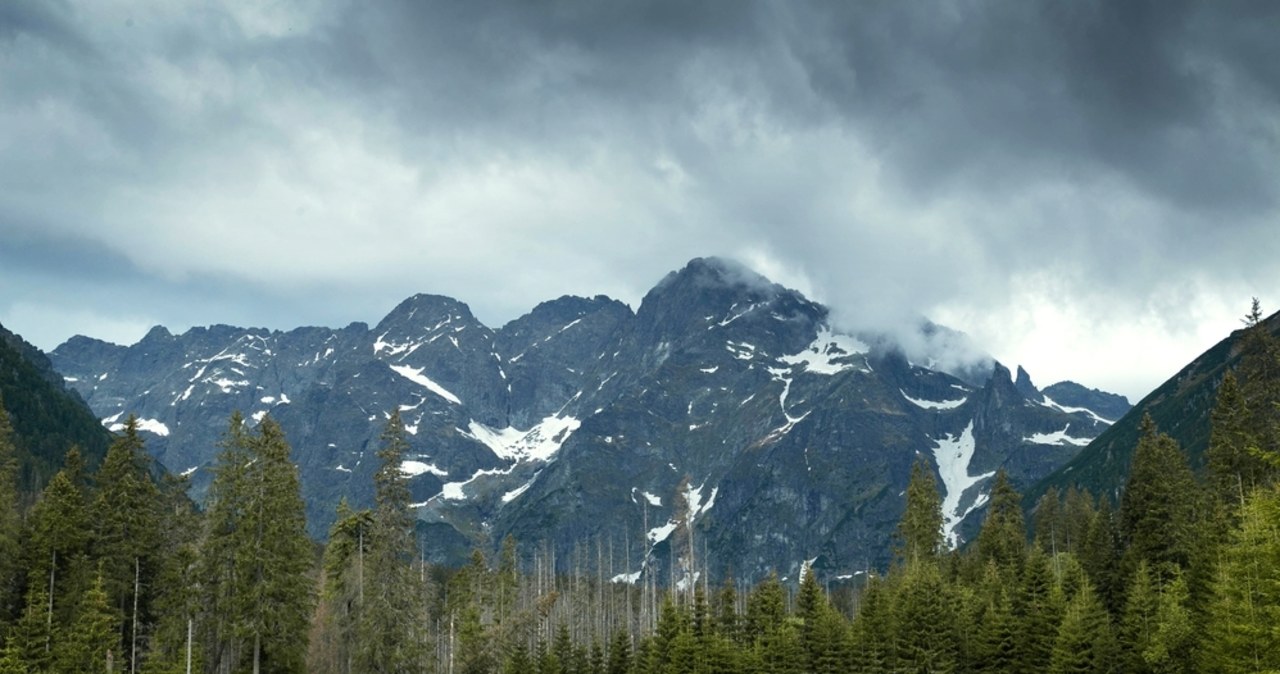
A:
1233, 469
1171, 647
31, 642
919, 533
1158, 508
1049, 517
1003, 537
872, 632
1100, 556
1244, 610
93, 636
10, 519
127, 536
924, 616
1139, 622
766, 608
1084, 643
58, 544
225, 507
1037, 612
619, 653
343, 594
256, 555
388, 640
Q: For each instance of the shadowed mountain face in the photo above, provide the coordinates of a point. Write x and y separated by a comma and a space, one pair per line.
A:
726, 416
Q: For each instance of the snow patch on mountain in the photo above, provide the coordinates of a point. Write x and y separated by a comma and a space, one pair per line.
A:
657, 535
416, 468
515, 493
1048, 402
1057, 438
828, 354
539, 443
953, 454
148, 425
933, 404
414, 374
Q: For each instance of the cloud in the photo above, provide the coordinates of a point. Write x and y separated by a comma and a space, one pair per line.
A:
1008, 169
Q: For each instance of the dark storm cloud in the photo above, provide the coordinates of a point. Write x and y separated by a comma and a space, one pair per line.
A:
314, 162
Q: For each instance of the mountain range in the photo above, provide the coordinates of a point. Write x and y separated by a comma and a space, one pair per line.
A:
726, 414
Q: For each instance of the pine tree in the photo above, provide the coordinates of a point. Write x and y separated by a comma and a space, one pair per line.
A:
619, 654
1100, 557
871, 638
1171, 647
1037, 611
58, 544
1158, 508
127, 536
10, 520
766, 608
275, 600
1233, 470
1084, 643
1003, 538
387, 634
1243, 614
256, 555
1049, 517
93, 635
1138, 624
30, 644
919, 533
925, 619
224, 534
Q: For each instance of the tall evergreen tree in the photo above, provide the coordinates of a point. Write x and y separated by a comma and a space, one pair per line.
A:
1003, 537
919, 533
343, 588
1049, 522
1084, 641
10, 519
1037, 612
1244, 612
925, 619
1233, 469
274, 597
30, 644
388, 635
94, 637
1158, 515
225, 508
1100, 556
58, 544
766, 608
127, 536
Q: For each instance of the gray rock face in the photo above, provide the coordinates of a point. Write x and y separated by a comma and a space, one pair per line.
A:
724, 417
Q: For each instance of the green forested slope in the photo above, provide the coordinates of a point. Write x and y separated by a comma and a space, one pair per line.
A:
1180, 408
47, 418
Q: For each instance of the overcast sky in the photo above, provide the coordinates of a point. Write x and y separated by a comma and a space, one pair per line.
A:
1089, 189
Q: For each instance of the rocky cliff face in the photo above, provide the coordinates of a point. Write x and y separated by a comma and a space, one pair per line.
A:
726, 418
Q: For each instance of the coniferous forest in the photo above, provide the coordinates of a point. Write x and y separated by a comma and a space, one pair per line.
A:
116, 570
